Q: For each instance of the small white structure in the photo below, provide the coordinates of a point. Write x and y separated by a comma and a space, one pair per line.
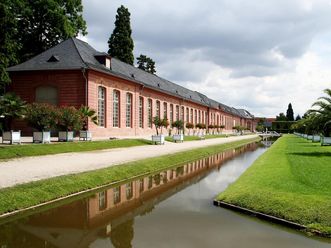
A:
66, 136
12, 137
42, 137
158, 139
85, 135
178, 137
325, 141
316, 138
310, 137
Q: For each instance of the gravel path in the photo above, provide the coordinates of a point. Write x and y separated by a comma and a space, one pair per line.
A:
23, 170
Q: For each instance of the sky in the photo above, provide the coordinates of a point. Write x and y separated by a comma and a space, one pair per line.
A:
257, 55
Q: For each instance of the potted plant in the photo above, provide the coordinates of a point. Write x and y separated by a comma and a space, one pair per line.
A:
222, 127
211, 129
42, 117
159, 137
87, 114
189, 126
201, 127
11, 107
179, 125
69, 120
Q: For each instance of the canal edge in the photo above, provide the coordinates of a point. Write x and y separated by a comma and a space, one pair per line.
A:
267, 217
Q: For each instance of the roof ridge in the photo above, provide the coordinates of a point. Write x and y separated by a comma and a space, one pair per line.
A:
73, 41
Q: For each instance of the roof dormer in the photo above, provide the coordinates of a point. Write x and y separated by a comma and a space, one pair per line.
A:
104, 59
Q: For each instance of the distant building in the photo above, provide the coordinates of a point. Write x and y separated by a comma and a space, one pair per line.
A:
125, 97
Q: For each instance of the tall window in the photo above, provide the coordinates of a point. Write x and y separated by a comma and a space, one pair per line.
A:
128, 114
203, 117
177, 112
116, 108
102, 200
182, 113
171, 113
187, 115
191, 115
47, 94
199, 116
117, 194
149, 109
165, 110
206, 117
141, 112
101, 106
141, 185
195, 117
129, 190
158, 113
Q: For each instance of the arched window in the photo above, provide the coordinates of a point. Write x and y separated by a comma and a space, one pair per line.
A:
101, 106
177, 112
141, 112
182, 113
150, 113
116, 108
192, 116
171, 113
195, 117
128, 114
47, 94
187, 115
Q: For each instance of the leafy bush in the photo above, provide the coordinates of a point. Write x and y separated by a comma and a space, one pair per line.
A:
41, 116
189, 125
179, 125
69, 119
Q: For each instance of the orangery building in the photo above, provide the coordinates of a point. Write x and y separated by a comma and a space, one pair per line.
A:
125, 97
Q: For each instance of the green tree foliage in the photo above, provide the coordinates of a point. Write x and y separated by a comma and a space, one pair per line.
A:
9, 45
281, 117
11, 107
290, 113
87, 113
120, 42
298, 118
145, 63
28, 27
41, 116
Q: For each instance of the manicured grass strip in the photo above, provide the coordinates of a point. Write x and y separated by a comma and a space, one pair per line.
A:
16, 151
192, 138
30, 194
292, 180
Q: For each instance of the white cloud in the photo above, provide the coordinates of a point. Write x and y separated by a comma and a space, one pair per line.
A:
258, 55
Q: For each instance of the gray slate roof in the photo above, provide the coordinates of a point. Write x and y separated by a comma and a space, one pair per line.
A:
76, 54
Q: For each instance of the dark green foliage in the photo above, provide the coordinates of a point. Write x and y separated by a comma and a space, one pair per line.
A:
120, 42
41, 116
189, 125
86, 114
298, 118
179, 125
289, 113
9, 45
45, 23
281, 117
69, 119
145, 63
11, 107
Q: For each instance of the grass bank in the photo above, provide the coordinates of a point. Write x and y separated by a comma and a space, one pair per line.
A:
31, 194
17, 151
292, 180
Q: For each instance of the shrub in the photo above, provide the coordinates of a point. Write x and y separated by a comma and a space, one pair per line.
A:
189, 125
41, 116
69, 119
179, 125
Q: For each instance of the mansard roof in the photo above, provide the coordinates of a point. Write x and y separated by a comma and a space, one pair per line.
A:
73, 54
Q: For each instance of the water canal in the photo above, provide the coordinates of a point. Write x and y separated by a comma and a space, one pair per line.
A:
172, 208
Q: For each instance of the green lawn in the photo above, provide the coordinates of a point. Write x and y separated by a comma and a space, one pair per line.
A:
292, 180
16, 151
30, 194
192, 138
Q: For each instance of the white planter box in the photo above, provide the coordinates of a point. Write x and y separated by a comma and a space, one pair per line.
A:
305, 136
310, 137
85, 135
316, 138
66, 136
178, 137
12, 137
42, 137
325, 141
158, 139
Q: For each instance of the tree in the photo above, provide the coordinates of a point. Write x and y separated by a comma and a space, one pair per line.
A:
298, 118
30, 27
9, 44
120, 42
87, 113
281, 117
145, 63
289, 113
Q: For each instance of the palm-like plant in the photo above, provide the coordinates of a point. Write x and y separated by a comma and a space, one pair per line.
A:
86, 114
323, 113
11, 107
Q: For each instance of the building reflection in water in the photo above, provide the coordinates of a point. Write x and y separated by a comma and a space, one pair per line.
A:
108, 216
